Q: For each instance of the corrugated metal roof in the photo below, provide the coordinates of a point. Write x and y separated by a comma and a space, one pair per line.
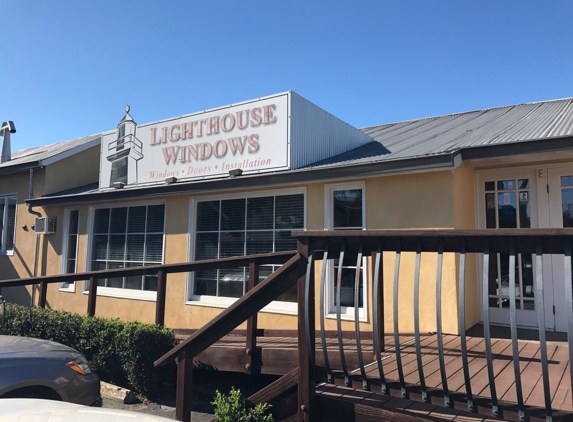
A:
453, 132
46, 152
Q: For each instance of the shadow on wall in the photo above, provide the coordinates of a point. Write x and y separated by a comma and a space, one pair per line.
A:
19, 295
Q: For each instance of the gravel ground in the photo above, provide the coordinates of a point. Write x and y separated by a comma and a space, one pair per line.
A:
205, 383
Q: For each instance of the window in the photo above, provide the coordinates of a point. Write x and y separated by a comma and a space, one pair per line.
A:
70, 249
7, 222
128, 237
345, 210
243, 226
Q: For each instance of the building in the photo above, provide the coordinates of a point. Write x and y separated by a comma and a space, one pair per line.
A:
237, 179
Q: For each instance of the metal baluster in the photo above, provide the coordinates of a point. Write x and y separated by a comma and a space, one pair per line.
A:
377, 292
439, 323
540, 308
357, 315
486, 332
307, 299
568, 305
322, 312
513, 325
417, 321
464, 347
395, 312
338, 315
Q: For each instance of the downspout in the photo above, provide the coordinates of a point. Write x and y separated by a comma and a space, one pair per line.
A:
37, 214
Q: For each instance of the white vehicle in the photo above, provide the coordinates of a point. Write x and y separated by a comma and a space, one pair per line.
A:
37, 410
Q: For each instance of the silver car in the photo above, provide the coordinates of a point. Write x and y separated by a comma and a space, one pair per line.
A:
34, 368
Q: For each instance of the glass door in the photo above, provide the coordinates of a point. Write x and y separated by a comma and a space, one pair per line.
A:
560, 186
509, 200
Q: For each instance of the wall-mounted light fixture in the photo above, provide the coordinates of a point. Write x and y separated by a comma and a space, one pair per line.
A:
235, 172
118, 185
170, 180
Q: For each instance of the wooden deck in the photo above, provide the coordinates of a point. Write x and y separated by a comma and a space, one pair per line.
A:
279, 355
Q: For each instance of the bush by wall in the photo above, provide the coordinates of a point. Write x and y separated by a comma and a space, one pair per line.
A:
119, 352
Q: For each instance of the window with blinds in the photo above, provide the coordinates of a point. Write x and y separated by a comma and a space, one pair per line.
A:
245, 226
128, 237
7, 222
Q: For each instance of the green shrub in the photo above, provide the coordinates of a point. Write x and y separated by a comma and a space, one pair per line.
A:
235, 408
119, 352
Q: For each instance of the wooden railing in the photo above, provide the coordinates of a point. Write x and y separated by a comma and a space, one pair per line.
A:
485, 245
161, 271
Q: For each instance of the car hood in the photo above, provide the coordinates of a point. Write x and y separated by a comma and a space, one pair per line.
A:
13, 345
36, 410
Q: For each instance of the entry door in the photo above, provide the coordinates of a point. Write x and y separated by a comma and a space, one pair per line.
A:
510, 201
560, 186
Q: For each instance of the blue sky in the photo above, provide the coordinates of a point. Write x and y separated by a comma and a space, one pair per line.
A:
69, 67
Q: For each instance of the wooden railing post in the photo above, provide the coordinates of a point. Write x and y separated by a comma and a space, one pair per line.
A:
184, 386
306, 335
92, 296
160, 302
43, 293
252, 358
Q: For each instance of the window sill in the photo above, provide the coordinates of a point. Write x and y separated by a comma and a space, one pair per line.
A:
283, 308
126, 294
348, 316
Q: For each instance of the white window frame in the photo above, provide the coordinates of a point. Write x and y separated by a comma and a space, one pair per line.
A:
3, 233
111, 291
65, 237
280, 307
346, 312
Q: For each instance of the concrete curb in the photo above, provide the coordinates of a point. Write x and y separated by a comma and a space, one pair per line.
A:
114, 392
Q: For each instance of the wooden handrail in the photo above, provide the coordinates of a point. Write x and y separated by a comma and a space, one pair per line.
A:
277, 258
499, 240
246, 306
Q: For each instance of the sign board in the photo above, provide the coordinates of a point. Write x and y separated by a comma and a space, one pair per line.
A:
253, 136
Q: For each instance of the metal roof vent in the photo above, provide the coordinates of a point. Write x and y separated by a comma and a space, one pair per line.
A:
5, 130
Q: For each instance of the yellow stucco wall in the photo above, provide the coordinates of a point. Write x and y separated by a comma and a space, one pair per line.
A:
425, 200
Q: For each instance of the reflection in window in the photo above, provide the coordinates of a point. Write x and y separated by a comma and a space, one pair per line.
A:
71, 246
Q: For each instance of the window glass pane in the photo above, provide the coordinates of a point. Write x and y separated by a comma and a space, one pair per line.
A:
233, 214
1, 217
133, 282
259, 242
135, 247
567, 207
118, 220
117, 247
232, 282
70, 267
155, 218
205, 283
10, 223
284, 242
232, 244
347, 206
208, 216
524, 210
566, 181
116, 282
206, 246
506, 210
136, 220
260, 213
347, 287
71, 247
490, 211
290, 212
523, 183
74, 222
154, 248
99, 247
506, 185
489, 185
150, 283
101, 220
